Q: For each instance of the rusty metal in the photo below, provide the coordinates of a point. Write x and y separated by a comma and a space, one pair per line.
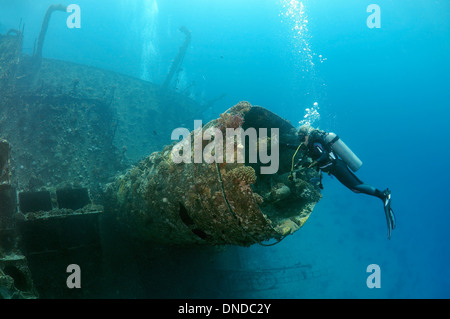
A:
15, 276
219, 203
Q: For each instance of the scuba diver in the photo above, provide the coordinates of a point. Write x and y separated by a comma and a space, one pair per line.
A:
332, 156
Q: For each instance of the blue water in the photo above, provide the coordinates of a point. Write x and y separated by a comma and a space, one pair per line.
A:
384, 90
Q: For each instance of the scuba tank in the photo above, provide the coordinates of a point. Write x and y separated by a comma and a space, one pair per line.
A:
344, 152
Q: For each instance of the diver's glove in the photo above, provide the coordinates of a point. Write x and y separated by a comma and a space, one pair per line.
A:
312, 164
390, 217
301, 162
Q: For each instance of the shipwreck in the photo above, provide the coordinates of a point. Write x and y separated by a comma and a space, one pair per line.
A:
78, 164
217, 203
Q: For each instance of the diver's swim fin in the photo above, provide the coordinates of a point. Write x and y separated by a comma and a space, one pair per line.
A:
390, 217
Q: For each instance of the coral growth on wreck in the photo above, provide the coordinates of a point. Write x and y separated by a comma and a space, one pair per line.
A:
233, 117
243, 173
228, 120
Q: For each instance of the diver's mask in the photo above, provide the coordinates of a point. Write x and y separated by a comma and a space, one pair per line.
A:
301, 137
303, 132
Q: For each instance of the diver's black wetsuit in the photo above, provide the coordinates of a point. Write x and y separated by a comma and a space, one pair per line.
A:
326, 160
329, 162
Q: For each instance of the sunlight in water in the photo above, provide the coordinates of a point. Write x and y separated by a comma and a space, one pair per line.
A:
148, 33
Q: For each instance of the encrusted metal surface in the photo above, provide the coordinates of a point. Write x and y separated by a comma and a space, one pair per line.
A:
218, 203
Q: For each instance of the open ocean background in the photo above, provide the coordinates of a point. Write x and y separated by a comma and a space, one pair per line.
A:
384, 91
